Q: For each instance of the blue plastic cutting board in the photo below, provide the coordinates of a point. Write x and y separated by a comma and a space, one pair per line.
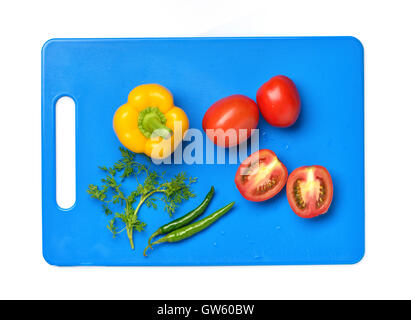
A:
99, 74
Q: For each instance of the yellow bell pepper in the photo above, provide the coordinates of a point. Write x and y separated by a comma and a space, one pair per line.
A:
149, 122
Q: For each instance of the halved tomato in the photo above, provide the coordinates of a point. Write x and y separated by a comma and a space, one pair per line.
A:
261, 176
310, 191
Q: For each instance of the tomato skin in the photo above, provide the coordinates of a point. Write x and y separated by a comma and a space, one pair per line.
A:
311, 180
271, 173
279, 101
233, 112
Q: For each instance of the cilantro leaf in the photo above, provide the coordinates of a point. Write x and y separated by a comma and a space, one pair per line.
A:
173, 192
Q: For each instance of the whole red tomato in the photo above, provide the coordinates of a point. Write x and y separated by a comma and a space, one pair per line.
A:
279, 101
224, 120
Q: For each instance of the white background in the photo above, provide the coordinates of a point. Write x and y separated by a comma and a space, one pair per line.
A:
384, 29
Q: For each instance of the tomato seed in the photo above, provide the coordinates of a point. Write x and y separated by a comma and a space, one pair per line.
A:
268, 185
297, 194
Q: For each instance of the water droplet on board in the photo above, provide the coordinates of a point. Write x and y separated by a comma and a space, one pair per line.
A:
215, 244
222, 233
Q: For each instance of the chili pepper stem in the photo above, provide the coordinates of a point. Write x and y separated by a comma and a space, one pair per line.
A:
152, 244
145, 250
152, 236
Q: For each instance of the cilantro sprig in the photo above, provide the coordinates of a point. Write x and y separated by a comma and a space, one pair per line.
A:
172, 192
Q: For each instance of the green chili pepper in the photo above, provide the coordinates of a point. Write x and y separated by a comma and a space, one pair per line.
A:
190, 230
186, 219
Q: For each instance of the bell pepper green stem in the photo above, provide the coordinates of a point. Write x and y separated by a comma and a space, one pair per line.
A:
151, 122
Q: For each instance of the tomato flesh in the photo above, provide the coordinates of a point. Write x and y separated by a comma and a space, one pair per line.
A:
310, 191
230, 120
279, 101
261, 176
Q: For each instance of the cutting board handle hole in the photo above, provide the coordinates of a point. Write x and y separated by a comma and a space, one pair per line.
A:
65, 152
